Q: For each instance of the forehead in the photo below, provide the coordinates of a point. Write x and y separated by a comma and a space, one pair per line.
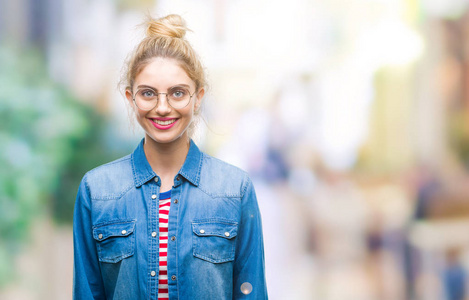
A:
163, 73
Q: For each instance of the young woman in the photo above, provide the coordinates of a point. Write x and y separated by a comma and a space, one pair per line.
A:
167, 221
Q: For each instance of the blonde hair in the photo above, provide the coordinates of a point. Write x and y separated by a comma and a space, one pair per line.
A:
165, 38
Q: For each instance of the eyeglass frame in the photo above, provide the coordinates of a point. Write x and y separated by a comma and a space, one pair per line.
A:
158, 97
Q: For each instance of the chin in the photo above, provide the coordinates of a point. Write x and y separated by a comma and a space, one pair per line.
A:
167, 139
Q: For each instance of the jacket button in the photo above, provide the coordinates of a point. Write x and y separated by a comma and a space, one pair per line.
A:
153, 234
173, 277
153, 273
175, 201
177, 178
173, 238
156, 179
100, 236
202, 231
124, 231
153, 196
227, 234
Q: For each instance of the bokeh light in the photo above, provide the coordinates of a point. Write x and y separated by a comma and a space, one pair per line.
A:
246, 288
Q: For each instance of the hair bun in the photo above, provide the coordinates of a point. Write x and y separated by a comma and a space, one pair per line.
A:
170, 26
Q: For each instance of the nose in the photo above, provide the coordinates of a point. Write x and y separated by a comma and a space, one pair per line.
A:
162, 105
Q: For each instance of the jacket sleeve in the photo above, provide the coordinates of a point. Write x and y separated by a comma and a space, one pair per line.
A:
249, 274
87, 281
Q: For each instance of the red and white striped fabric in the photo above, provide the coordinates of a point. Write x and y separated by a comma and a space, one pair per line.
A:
164, 204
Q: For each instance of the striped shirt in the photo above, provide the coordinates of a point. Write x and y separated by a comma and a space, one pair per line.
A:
165, 202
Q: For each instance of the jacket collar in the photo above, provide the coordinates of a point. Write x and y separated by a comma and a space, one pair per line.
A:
143, 172
193, 164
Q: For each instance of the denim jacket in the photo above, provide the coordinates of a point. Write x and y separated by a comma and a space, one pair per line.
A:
215, 244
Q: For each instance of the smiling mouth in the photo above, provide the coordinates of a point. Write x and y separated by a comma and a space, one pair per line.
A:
164, 123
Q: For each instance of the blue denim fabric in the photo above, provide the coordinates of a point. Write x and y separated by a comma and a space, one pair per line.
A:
215, 239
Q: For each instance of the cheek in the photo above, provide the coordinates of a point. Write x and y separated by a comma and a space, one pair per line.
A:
139, 114
188, 111
191, 114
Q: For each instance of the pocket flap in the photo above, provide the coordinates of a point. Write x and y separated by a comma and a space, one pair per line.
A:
215, 228
104, 231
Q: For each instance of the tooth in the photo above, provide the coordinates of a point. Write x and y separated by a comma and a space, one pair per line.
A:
164, 123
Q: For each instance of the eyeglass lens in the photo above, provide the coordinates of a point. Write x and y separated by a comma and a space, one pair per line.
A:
147, 98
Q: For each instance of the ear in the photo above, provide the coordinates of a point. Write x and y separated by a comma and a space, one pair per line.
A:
128, 95
198, 101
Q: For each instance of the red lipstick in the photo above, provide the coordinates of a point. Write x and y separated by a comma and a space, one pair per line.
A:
163, 123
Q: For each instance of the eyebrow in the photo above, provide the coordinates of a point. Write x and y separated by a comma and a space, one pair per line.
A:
176, 85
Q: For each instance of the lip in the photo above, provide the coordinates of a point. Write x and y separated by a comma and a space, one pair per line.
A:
163, 127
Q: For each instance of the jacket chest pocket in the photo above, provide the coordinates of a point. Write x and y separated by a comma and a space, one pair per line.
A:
214, 240
115, 241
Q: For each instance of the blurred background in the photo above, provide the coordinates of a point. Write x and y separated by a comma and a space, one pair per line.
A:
351, 116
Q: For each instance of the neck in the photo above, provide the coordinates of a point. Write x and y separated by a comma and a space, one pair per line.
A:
166, 159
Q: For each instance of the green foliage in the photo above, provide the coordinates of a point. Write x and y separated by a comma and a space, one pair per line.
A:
48, 140
458, 128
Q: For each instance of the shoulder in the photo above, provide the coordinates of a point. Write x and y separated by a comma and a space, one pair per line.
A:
220, 178
111, 179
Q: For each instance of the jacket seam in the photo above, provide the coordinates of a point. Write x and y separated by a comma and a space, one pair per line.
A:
119, 160
246, 183
114, 197
219, 195
87, 189
113, 222
214, 220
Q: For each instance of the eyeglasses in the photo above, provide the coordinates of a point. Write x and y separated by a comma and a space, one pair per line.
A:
146, 98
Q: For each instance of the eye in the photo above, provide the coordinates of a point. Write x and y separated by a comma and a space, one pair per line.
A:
147, 93
178, 93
